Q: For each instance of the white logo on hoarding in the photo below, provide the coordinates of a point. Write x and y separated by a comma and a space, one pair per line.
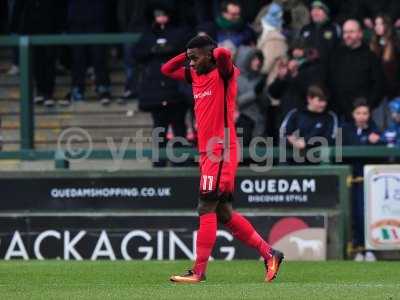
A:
104, 248
314, 245
391, 193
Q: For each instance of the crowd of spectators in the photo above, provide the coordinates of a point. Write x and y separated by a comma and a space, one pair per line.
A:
348, 50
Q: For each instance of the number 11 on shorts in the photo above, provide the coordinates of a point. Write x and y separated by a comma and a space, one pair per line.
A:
207, 181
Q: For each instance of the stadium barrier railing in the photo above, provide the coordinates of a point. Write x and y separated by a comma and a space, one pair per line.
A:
25, 43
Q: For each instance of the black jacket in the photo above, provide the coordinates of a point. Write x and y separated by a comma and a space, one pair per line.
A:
93, 12
37, 16
292, 91
310, 124
341, 10
354, 73
353, 136
323, 37
154, 87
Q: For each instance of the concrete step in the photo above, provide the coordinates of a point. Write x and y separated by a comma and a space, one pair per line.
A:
64, 121
117, 77
11, 107
13, 92
135, 137
95, 145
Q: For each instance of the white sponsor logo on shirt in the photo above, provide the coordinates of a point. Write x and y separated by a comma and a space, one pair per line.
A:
202, 95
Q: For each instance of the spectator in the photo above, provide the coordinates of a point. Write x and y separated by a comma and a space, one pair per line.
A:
130, 19
8, 11
354, 71
274, 47
294, 78
300, 126
90, 16
391, 135
385, 45
157, 93
295, 11
229, 29
360, 131
31, 17
370, 9
272, 42
251, 113
321, 34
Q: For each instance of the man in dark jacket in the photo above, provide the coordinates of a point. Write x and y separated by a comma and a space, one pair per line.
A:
131, 19
31, 17
157, 93
229, 29
89, 16
354, 71
321, 34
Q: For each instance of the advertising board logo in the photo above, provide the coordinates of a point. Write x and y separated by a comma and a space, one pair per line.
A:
297, 240
278, 190
386, 232
391, 193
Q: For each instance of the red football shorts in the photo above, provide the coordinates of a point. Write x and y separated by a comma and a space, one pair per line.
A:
218, 171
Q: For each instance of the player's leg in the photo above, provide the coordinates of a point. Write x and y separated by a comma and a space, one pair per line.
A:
240, 227
244, 231
207, 233
206, 236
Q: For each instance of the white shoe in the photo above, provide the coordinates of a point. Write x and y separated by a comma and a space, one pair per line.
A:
359, 257
370, 256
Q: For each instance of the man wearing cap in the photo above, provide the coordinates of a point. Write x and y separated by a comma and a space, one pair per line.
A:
321, 34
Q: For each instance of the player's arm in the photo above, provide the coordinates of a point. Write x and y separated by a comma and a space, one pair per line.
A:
174, 68
224, 62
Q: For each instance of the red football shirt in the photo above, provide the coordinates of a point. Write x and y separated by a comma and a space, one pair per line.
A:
214, 97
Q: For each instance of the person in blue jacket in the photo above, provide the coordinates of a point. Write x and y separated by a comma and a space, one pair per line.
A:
391, 135
361, 131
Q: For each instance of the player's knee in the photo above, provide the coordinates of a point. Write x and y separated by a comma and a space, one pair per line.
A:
224, 212
206, 207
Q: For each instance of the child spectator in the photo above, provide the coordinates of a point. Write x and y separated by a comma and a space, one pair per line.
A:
362, 130
301, 126
392, 134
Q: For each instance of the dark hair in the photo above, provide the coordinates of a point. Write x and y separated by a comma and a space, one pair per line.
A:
225, 4
387, 52
318, 90
361, 101
201, 41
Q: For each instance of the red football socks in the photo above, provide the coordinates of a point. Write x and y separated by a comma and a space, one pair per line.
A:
245, 232
206, 237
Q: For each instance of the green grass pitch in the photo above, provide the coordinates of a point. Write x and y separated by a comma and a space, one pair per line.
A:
226, 280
